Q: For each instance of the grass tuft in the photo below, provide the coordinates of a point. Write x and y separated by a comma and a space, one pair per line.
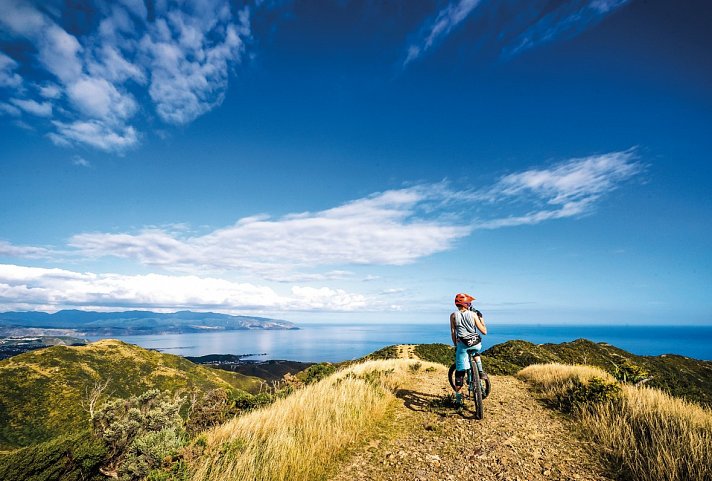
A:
299, 437
650, 434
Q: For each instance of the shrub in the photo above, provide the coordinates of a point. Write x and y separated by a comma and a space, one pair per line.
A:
629, 372
581, 395
140, 432
213, 408
153, 450
440, 353
76, 457
316, 372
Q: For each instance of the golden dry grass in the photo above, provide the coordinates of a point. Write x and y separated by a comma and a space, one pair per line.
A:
646, 433
299, 437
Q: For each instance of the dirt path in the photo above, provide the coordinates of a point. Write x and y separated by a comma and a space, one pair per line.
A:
518, 439
407, 351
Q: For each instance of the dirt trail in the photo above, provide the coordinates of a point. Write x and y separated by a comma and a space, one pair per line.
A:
518, 439
407, 351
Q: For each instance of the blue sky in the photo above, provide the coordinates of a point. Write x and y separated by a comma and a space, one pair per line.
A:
358, 161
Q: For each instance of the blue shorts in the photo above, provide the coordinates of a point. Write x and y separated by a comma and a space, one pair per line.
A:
462, 360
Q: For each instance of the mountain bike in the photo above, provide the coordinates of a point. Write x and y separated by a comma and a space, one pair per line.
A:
478, 388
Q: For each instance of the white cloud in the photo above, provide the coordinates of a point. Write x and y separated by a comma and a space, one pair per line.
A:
8, 77
380, 229
189, 69
513, 30
41, 288
10, 110
566, 20
395, 227
50, 91
180, 59
43, 109
99, 99
569, 189
94, 133
9, 250
80, 161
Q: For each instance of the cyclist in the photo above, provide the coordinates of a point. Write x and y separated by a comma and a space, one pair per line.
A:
466, 324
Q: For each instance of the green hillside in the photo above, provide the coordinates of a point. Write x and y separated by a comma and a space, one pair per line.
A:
44, 393
677, 375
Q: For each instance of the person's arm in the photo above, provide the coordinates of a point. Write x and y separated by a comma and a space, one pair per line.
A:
480, 322
452, 329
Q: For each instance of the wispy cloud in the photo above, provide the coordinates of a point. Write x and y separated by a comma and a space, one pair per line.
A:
388, 228
565, 21
26, 252
444, 22
80, 161
512, 28
568, 189
177, 57
394, 227
35, 288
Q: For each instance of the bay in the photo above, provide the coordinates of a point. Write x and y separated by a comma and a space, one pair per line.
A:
339, 342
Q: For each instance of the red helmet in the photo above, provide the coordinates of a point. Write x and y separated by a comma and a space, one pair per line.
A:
463, 300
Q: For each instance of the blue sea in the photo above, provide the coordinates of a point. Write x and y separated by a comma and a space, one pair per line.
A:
333, 343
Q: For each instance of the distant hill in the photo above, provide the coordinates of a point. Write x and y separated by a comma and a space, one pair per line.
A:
677, 375
43, 393
271, 370
90, 323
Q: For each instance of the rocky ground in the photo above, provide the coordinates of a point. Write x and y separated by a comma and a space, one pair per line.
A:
519, 439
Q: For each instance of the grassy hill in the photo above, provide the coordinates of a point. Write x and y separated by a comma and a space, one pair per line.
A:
677, 375
43, 393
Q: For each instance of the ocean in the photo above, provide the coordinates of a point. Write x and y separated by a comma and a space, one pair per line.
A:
333, 343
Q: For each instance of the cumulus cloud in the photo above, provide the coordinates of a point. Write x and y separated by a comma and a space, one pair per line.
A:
511, 28
177, 58
50, 289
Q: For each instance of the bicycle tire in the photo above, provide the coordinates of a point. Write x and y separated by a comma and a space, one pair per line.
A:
476, 386
451, 376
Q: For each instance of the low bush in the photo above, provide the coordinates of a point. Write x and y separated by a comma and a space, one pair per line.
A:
76, 457
141, 433
316, 372
585, 394
440, 353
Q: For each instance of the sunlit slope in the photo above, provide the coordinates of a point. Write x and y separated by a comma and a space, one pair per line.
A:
45, 393
677, 375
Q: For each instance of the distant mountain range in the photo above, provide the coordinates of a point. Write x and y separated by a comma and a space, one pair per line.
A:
88, 323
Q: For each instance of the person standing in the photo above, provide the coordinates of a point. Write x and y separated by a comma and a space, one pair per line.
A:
466, 325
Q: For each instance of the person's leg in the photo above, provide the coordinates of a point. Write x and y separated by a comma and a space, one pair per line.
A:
462, 364
478, 360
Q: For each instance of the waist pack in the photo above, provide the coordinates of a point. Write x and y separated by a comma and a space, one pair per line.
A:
472, 339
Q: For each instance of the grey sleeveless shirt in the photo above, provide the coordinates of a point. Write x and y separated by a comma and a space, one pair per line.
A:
464, 324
